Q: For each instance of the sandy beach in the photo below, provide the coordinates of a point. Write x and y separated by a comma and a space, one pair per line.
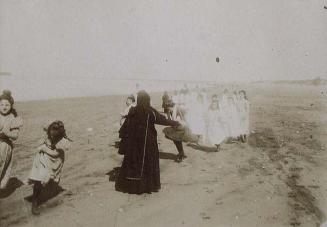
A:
277, 179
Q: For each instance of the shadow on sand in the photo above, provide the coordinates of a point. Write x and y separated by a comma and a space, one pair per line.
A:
167, 156
51, 190
202, 148
113, 174
12, 185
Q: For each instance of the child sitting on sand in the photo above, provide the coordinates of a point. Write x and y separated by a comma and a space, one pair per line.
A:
48, 161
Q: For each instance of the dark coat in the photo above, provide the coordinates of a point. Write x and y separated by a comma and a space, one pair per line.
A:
140, 171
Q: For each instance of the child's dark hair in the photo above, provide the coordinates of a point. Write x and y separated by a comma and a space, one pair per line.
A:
6, 95
244, 93
131, 97
215, 96
59, 128
14, 112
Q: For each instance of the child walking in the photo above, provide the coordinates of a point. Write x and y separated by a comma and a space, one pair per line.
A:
48, 161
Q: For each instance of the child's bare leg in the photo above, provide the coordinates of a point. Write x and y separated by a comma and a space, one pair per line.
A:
181, 155
37, 189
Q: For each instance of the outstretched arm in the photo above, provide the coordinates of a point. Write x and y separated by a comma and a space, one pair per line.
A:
162, 120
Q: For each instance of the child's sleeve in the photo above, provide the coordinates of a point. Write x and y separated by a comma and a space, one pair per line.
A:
16, 123
63, 144
44, 148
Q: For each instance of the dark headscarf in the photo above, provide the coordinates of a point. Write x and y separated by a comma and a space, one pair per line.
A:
143, 100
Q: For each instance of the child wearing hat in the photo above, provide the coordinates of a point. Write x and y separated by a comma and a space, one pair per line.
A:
10, 125
48, 161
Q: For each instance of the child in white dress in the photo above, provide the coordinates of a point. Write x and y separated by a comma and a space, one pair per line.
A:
215, 128
48, 161
237, 119
233, 121
10, 125
196, 118
245, 115
130, 102
225, 116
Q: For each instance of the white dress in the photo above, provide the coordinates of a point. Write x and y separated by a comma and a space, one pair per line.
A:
247, 119
196, 118
223, 102
225, 116
232, 123
215, 128
245, 116
238, 124
45, 166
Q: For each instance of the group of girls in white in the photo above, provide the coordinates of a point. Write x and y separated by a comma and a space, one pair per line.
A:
212, 120
49, 155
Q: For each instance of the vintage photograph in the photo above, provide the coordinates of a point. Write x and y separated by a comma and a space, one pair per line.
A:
163, 113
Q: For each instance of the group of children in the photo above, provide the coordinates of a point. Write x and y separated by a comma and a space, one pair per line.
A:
212, 120
206, 121
49, 157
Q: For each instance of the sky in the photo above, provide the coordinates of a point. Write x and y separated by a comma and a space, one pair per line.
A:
68, 48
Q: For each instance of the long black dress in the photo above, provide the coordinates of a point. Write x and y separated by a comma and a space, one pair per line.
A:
140, 171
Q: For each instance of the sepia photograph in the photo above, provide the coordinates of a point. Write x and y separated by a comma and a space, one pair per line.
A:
163, 113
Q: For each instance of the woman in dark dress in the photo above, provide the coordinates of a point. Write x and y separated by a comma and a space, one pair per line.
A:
140, 171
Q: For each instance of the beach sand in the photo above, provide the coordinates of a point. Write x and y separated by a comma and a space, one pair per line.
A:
277, 179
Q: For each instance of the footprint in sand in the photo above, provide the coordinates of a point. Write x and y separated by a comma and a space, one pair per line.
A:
204, 216
295, 223
218, 203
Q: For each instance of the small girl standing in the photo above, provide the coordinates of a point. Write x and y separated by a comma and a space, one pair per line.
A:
196, 118
48, 161
237, 119
10, 125
215, 129
130, 102
233, 121
245, 115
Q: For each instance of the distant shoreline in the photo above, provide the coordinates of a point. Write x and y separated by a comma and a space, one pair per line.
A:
228, 85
